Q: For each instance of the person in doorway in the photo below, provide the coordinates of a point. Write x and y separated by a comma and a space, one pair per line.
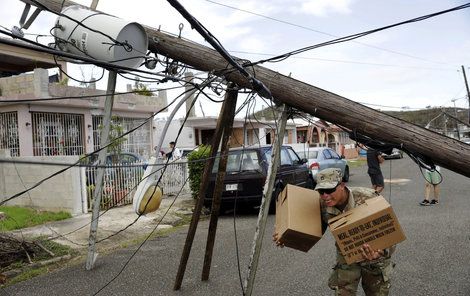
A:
433, 178
376, 268
374, 159
174, 153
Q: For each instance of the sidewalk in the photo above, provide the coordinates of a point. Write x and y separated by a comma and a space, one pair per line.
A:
74, 232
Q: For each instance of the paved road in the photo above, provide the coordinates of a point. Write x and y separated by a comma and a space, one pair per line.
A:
434, 260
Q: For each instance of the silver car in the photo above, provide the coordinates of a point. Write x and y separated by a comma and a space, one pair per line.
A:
320, 158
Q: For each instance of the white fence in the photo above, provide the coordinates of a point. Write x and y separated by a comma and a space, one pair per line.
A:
121, 180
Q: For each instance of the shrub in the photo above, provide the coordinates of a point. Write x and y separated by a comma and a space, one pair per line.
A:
196, 162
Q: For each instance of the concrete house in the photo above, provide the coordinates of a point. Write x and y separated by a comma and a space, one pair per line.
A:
66, 126
38, 130
320, 133
200, 130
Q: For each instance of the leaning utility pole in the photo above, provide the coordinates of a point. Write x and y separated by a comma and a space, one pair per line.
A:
468, 91
266, 202
447, 152
104, 139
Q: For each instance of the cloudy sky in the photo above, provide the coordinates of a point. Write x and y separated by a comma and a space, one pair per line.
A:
411, 66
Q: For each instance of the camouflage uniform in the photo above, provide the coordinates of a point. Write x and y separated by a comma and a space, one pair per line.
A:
375, 274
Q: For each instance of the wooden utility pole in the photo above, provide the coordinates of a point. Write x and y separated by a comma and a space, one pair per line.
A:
266, 202
456, 116
104, 139
231, 99
447, 152
468, 91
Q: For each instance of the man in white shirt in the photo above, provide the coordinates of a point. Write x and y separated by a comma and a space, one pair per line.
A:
174, 153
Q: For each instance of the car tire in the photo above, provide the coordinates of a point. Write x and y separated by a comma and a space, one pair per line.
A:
272, 205
346, 174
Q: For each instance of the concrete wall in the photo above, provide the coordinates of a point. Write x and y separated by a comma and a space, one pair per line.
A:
63, 192
17, 85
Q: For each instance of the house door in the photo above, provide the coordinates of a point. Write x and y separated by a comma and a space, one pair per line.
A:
206, 136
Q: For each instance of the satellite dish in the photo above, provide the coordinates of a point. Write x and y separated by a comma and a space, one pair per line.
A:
101, 36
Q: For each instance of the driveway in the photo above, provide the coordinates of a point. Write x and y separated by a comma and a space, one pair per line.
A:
434, 260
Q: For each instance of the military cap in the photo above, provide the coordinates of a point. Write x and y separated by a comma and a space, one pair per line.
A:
328, 178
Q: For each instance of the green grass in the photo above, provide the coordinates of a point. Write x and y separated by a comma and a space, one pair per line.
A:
18, 217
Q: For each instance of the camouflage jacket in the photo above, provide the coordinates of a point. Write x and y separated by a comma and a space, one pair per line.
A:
357, 196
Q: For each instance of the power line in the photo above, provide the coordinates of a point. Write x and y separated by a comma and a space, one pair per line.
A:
84, 97
344, 61
140, 246
257, 85
320, 32
357, 35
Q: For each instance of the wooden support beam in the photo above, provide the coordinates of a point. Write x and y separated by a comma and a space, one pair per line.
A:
222, 121
231, 99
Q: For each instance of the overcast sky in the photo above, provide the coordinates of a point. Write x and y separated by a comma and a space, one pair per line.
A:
411, 66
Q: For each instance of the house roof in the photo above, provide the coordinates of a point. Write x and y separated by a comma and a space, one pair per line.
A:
17, 59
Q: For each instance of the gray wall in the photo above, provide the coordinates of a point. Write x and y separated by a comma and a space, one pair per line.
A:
62, 192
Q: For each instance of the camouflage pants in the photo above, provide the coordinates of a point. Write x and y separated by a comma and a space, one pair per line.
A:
375, 278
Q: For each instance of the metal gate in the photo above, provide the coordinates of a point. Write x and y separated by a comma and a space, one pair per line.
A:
9, 132
121, 180
57, 134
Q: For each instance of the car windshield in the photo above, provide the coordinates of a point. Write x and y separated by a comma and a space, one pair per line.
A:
240, 160
309, 154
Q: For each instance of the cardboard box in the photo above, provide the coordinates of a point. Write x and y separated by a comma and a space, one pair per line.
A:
373, 222
298, 217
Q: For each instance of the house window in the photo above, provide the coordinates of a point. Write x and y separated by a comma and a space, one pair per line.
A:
57, 134
137, 141
9, 132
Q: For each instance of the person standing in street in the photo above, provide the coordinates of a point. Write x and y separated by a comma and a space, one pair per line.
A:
174, 153
375, 270
374, 159
433, 178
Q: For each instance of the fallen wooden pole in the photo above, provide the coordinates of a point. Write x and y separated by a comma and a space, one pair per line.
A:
447, 152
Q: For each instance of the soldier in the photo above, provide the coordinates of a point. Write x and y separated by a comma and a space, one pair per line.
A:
375, 270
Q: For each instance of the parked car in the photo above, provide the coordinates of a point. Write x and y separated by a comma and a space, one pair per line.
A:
246, 175
186, 151
396, 154
122, 158
320, 158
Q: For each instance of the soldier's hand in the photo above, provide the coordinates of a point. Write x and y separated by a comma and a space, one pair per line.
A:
370, 254
276, 240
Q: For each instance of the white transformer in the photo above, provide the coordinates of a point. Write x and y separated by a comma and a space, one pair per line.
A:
101, 36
